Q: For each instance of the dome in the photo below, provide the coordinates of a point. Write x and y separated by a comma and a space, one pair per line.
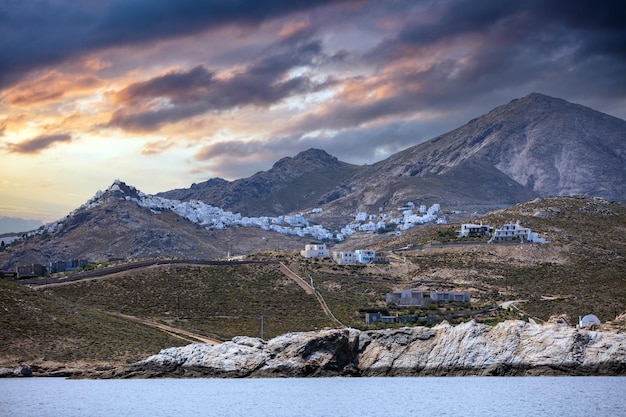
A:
589, 319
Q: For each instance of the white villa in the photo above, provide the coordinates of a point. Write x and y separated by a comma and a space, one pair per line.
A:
315, 251
344, 258
359, 256
364, 256
474, 230
515, 231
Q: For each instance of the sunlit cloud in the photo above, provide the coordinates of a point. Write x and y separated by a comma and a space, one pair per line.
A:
39, 143
200, 89
51, 86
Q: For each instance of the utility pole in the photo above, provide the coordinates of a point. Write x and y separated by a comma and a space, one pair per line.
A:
262, 324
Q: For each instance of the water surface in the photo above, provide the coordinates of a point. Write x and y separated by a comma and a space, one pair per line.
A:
362, 397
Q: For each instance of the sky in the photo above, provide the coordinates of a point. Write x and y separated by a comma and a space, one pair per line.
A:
161, 94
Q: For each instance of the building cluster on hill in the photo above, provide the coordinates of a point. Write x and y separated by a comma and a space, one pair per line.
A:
359, 256
364, 222
415, 298
507, 233
211, 217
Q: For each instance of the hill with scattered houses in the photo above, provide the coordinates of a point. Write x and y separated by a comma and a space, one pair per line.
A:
112, 320
533, 146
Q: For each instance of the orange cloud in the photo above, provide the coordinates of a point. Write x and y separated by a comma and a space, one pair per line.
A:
155, 148
96, 64
49, 87
293, 28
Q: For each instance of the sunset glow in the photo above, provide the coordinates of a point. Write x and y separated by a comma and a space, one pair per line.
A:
163, 94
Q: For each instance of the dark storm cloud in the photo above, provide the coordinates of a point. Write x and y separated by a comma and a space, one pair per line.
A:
187, 94
36, 33
38, 144
487, 48
599, 24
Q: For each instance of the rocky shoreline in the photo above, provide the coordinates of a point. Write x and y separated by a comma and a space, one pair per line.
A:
509, 348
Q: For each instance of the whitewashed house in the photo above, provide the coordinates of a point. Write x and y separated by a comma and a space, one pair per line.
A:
365, 256
315, 251
515, 231
344, 258
360, 217
474, 230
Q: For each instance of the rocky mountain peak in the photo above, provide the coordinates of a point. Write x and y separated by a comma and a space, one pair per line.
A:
535, 145
308, 160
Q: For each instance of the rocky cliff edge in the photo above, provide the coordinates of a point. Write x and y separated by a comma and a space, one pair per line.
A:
509, 348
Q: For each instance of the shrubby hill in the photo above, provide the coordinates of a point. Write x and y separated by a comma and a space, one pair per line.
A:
581, 271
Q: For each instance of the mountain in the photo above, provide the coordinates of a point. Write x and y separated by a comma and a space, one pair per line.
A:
531, 147
292, 184
124, 223
534, 146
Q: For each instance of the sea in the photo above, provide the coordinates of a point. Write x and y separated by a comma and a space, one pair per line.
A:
316, 397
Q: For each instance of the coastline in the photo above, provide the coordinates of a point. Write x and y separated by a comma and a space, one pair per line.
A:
512, 348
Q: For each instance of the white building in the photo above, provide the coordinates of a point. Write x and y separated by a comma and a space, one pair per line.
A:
361, 217
344, 258
474, 230
515, 231
364, 256
315, 251
361, 256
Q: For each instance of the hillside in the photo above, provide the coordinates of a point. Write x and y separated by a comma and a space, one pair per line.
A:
581, 271
39, 327
535, 146
113, 225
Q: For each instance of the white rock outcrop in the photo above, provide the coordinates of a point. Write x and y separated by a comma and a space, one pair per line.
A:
509, 348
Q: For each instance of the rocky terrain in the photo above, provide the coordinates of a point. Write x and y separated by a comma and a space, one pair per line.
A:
114, 225
531, 147
292, 184
534, 146
509, 348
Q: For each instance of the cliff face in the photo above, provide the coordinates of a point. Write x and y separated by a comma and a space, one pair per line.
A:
510, 348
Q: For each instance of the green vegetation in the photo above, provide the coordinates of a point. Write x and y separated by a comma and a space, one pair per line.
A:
41, 326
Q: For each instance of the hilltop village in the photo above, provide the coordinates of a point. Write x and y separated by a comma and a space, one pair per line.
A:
210, 217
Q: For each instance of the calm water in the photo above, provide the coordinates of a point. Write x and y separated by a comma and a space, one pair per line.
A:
447, 396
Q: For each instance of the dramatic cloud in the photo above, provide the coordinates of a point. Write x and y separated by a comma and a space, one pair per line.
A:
38, 144
218, 88
50, 86
38, 32
179, 95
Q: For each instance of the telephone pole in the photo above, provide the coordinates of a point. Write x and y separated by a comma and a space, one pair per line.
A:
262, 324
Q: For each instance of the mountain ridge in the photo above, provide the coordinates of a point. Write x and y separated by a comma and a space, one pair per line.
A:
543, 146
532, 146
290, 185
